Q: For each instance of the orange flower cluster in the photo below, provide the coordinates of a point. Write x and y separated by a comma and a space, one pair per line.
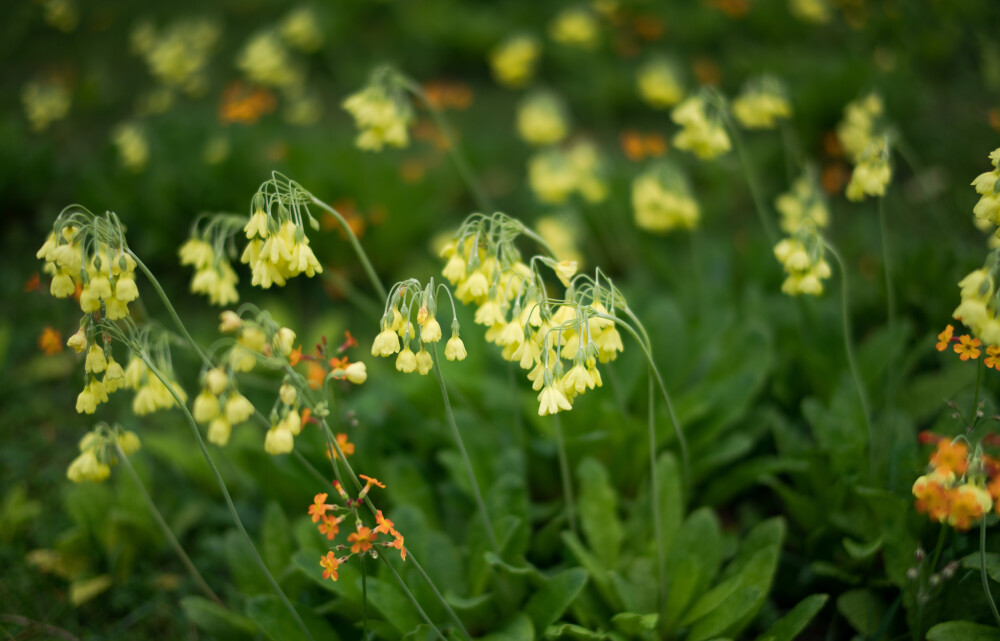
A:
245, 105
960, 488
363, 539
443, 94
50, 341
968, 347
338, 367
638, 146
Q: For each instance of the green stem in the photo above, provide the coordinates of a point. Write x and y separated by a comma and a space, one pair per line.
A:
479, 194
567, 481
849, 348
170, 308
225, 492
416, 604
974, 414
661, 559
465, 455
889, 290
755, 192
356, 245
167, 532
982, 571
364, 600
930, 569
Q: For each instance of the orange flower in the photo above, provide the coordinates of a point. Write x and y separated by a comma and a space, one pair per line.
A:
385, 526
372, 481
244, 105
932, 498
944, 338
339, 363
967, 504
50, 341
967, 347
349, 341
316, 375
398, 544
319, 506
330, 564
345, 446
992, 357
34, 283
993, 487
951, 456
330, 527
295, 356
638, 146
362, 539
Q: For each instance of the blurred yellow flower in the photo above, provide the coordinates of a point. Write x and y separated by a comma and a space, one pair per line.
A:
513, 61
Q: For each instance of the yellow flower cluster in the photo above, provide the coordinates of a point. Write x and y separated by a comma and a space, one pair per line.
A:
556, 174
562, 236
416, 323
220, 405
988, 187
99, 361
872, 173
105, 272
575, 27
98, 453
64, 15
960, 487
301, 29
513, 60
265, 60
662, 200
178, 56
214, 275
812, 11
702, 133
151, 394
541, 118
534, 331
978, 307
132, 145
861, 125
660, 84
382, 114
278, 248
762, 103
45, 103
803, 204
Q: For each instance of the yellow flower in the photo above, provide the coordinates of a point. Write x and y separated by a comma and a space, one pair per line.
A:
356, 372
554, 175
96, 361
551, 400
859, 126
301, 29
802, 257
45, 103
129, 442
988, 187
197, 253
382, 115
424, 362
78, 341
133, 147
266, 61
86, 467
872, 173
762, 102
454, 350
662, 201
430, 332
406, 362
206, 406
660, 84
287, 394
238, 409
576, 27
803, 204
216, 380
701, 133
513, 60
229, 321
541, 118
386, 343
278, 441
219, 431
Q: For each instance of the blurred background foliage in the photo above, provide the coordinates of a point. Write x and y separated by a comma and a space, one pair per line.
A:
761, 379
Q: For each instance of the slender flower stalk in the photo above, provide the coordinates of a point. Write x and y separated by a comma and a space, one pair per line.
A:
752, 183
483, 201
567, 481
225, 490
356, 245
167, 532
654, 494
481, 504
849, 349
982, 572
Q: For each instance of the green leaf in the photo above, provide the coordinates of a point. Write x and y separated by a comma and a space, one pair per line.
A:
685, 577
271, 615
712, 599
963, 631
699, 538
863, 610
635, 624
742, 603
600, 576
768, 533
668, 479
971, 562
392, 603
862, 551
789, 626
548, 604
276, 544
218, 621
599, 512
518, 629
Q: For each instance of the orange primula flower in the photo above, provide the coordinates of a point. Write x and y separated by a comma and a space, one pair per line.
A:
944, 338
316, 375
345, 446
319, 506
398, 544
295, 356
967, 504
361, 541
34, 283
330, 564
330, 526
992, 357
385, 526
967, 347
50, 341
951, 456
245, 105
372, 481
932, 498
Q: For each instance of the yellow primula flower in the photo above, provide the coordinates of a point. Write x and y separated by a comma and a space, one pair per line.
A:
761, 104
575, 27
513, 61
662, 200
702, 133
541, 118
660, 84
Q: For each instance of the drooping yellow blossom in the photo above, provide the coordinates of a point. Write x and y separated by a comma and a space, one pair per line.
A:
872, 173
45, 103
803, 203
762, 103
541, 118
301, 29
214, 275
179, 54
562, 236
988, 187
860, 126
660, 83
99, 451
513, 60
662, 200
802, 256
265, 60
382, 114
556, 174
277, 249
702, 131
575, 27
812, 11
151, 394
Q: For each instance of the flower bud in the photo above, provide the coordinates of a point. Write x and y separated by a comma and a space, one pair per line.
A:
229, 321
216, 380
287, 394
